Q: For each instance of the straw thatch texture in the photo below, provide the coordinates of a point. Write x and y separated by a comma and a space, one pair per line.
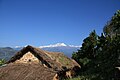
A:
56, 60
26, 72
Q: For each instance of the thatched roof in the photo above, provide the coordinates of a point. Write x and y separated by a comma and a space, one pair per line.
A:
56, 60
26, 72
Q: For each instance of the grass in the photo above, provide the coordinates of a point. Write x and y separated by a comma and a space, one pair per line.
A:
80, 78
65, 61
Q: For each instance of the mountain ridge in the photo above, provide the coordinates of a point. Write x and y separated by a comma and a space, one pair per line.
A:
58, 45
8, 52
50, 45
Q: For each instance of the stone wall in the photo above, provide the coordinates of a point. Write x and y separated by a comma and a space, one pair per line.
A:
28, 58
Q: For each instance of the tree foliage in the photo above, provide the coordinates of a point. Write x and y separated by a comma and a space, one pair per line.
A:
113, 26
100, 55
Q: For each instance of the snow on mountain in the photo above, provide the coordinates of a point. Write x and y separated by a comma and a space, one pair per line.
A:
17, 47
58, 45
51, 45
7, 52
61, 47
54, 45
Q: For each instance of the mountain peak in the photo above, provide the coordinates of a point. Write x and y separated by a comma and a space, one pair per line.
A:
54, 45
17, 47
60, 44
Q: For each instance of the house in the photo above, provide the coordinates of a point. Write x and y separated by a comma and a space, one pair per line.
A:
33, 63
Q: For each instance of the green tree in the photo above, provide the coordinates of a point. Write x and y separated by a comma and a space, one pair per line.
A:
113, 26
100, 55
88, 48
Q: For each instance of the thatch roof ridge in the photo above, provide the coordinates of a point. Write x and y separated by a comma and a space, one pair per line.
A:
40, 54
20, 53
55, 60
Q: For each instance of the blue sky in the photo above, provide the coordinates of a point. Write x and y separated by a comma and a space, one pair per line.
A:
43, 22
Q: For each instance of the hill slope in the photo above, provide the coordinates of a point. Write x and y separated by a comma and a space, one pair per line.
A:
7, 52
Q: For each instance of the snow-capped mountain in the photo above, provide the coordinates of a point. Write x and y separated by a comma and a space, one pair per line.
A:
57, 45
54, 45
61, 47
7, 52
17, 48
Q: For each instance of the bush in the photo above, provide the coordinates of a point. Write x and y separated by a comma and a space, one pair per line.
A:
2, 61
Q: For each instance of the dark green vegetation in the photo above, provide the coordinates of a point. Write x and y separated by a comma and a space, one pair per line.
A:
100, 55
